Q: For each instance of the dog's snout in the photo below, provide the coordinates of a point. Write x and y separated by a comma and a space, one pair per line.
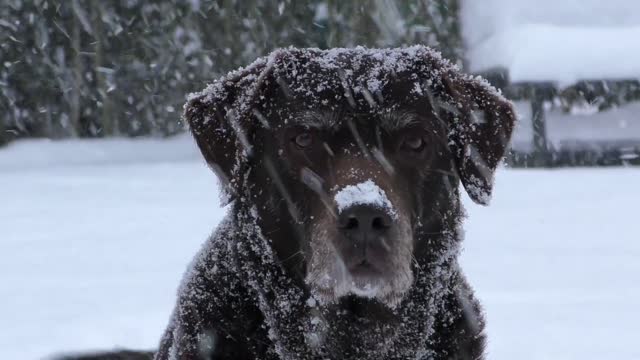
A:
364, 222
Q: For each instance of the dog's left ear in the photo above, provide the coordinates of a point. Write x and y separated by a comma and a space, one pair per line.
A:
480, 122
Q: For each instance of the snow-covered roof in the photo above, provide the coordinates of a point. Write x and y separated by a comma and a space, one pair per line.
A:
563, 43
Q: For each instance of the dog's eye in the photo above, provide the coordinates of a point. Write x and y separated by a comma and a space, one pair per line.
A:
303, 140
413, 143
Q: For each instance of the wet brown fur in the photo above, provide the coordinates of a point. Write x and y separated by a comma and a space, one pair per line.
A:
243, 129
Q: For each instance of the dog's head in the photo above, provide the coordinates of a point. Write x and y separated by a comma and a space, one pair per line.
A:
353, 157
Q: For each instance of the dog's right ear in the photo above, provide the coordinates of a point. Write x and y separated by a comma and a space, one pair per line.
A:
220, 121
206, 116
208, 119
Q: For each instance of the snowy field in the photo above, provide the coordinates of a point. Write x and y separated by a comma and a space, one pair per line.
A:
94, 237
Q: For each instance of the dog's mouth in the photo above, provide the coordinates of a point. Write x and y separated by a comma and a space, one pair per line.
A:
365, 268
366, 279
367, 260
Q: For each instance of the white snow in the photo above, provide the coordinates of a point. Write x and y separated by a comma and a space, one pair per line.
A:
364, 193
555, 262
554, 41
45, 153
91, 254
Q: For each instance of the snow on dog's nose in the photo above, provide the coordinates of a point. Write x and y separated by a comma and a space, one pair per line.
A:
365, 215
364, 193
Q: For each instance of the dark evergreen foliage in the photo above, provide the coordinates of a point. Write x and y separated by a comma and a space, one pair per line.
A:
72, 68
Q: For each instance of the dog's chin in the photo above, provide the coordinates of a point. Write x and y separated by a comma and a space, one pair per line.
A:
386, 290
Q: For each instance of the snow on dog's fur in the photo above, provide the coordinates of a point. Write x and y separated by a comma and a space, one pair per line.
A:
342, 168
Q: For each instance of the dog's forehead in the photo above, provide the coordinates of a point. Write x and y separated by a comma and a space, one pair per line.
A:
389, 88
353, 80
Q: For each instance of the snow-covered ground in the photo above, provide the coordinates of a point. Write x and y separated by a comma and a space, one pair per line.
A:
94, 237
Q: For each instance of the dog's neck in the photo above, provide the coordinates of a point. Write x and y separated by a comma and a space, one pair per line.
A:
284, 299
359, 327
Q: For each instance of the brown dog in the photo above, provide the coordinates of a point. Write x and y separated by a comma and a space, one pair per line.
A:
343, 235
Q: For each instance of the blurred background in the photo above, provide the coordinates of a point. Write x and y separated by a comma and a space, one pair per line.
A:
104, 198
122, 68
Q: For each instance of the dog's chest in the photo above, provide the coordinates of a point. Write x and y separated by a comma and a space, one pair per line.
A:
343, 334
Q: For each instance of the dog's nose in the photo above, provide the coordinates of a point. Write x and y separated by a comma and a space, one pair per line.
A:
364, 222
